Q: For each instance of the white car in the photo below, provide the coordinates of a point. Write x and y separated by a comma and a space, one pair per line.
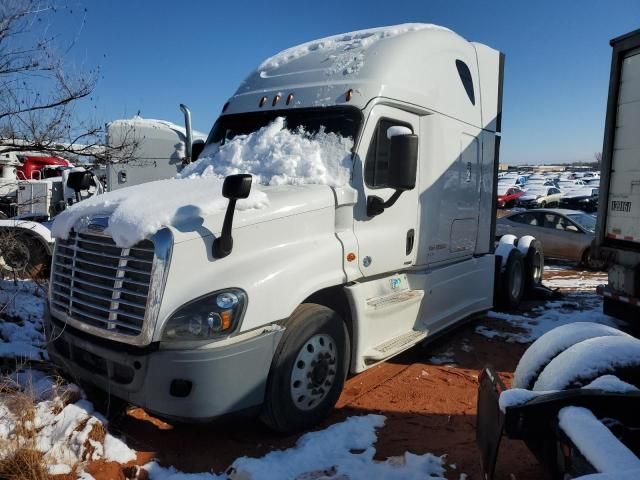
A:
540, 197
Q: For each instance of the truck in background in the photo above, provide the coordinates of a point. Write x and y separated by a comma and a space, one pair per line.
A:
34, 187
203, 320
617, 239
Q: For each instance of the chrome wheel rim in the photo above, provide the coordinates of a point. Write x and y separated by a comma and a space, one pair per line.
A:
314, 371
537, 267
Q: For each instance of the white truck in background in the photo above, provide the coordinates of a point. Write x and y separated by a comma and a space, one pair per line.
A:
26, 244
617, 238
201, 320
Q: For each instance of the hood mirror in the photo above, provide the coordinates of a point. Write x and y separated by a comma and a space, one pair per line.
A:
235, 187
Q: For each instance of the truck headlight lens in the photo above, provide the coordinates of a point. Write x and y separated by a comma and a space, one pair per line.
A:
214, 315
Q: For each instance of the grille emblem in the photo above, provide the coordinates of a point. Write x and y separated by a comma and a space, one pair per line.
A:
98, 224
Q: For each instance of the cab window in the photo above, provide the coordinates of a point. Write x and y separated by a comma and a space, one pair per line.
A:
376, 166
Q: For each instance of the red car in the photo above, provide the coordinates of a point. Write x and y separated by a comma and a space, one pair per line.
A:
507, 195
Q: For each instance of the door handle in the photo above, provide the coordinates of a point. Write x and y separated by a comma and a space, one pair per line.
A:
410, 239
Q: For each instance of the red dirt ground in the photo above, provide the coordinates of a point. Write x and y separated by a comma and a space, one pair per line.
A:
429, 408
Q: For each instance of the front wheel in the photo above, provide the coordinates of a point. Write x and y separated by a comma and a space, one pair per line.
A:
308, 369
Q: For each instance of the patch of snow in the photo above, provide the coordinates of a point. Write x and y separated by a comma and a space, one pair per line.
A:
397, 131
576, 308
21, 312
627, 475
445, 358
343, 450
551, 344
585, 360
138, 121
611, 383
59, 469
596, 442
343, 51
277, 156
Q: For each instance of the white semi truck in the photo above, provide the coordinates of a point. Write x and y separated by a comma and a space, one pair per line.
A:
617, 239
272, 309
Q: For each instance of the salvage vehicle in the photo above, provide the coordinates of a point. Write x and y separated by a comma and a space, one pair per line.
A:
508, 195
584, 199
540, 196
574, 402
564, 234
268, 309
617, 240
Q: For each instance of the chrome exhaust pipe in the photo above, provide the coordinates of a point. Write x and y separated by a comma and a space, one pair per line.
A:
189, 139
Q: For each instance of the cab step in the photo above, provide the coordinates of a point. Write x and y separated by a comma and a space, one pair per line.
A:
395, 345
404, 297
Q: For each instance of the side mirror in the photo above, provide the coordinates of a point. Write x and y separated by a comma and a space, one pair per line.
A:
78, 181
403, 162
403, 165
196, 149
235, 187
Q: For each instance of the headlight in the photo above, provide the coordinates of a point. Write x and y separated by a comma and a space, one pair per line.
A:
214, 315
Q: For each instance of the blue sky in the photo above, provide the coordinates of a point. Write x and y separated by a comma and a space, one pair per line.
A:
154, 55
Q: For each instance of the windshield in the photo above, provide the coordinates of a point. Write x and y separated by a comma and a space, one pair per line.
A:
586, 221
344, 121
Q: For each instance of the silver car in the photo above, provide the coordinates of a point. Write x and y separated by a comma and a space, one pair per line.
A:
565, 234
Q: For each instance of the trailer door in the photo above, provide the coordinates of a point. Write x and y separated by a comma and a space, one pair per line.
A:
623, 216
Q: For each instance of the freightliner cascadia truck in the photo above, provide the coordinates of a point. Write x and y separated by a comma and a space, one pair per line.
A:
270, 309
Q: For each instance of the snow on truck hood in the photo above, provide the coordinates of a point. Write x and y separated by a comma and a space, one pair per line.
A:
283, 164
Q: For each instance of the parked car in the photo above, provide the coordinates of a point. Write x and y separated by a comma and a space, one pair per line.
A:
585, 199
540, 196
565, 234
508, 195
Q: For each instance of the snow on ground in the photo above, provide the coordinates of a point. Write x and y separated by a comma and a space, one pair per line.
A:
273, 154
568, 277
344, 450
577, 307
21, 312
51, 417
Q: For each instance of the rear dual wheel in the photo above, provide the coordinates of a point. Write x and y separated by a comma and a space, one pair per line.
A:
308, 369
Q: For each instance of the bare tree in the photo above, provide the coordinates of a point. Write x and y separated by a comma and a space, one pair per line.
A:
39, 93
598, 158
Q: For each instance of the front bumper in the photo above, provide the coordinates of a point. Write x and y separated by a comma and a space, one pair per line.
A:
192, 385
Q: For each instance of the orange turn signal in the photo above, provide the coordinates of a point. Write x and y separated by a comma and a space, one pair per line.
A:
226, 317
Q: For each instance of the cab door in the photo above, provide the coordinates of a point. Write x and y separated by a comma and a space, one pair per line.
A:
386, 242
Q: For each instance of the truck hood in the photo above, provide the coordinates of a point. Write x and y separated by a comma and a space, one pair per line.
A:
284, 201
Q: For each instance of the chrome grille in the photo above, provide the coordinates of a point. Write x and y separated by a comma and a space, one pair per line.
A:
100, 284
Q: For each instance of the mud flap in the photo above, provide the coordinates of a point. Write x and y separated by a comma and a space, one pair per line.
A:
489, 421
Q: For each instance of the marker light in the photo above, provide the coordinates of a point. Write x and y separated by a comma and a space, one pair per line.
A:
263, 100
276, 99
289, 98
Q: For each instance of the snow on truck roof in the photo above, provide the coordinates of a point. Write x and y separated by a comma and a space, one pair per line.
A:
137, 121
415, 63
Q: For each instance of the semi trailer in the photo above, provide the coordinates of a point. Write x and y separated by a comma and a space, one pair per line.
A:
269, 309
617, 239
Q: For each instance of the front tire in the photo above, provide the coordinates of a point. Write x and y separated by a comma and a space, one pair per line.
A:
308, 369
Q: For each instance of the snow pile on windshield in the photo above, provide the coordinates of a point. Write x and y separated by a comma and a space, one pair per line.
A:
277, 156
344, 51
342, 451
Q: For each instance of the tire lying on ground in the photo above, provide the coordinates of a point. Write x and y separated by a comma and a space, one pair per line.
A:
510, 283
308, 369
22, 256
585, 361
541, 352
533, 254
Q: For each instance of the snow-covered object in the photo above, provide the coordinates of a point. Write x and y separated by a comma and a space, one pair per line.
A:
138, 212
524, 243
596, 442
516, 396
137, 122
397, 131
277, 156
344, 50
611, 383
65, 433
551, 344
345, 449
273, 155
504, 249
587, 360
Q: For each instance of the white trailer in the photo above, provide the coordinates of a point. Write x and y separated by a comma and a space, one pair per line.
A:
325, 281
618, 229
